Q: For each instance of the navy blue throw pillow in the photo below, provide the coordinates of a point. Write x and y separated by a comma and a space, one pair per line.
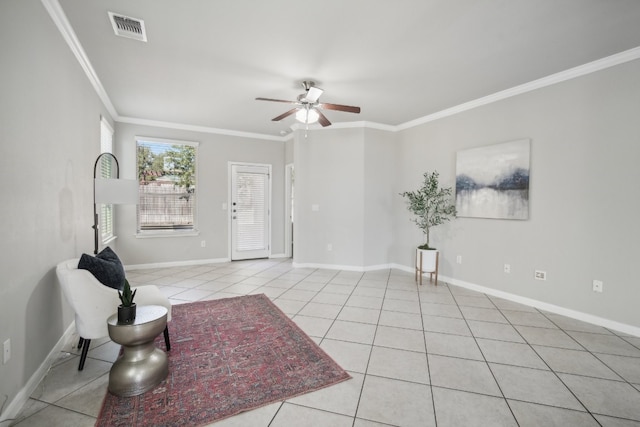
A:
106, 267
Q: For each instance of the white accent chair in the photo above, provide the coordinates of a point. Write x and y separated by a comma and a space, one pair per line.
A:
94, 302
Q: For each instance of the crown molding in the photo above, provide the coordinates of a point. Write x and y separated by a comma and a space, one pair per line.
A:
571, 73
365, 124
194, 128
60, 19
346, 125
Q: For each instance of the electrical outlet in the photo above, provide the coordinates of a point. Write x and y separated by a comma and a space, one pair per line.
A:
540, 275
329, 247
507, 268
459, 259
203, 243
598, 286
6, 351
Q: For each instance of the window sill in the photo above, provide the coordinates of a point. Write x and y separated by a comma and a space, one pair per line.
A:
166, 233
108, 240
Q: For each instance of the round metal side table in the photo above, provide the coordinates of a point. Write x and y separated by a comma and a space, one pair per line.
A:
142, 365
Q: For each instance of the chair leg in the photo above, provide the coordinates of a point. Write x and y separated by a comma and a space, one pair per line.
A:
80, 342
166, 338
85, 350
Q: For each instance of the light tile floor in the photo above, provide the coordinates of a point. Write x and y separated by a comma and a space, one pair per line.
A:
419, 356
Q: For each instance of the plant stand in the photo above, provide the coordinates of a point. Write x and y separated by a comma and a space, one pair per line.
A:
427, 262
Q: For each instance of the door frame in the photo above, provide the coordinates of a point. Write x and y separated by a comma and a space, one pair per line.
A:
230, 165
288, 223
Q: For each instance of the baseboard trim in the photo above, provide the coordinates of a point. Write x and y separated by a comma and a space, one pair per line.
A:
175, 264
18, 402
551, 308
342, 267
186, 263
278, 256
574, 314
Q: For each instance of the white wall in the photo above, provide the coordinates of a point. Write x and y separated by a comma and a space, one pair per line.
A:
584, 194
348, 174
380, 169
50, 138
288, 150
214, 153
329, 172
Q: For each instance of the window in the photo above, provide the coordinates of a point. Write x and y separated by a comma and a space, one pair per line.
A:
167, 177
106, 168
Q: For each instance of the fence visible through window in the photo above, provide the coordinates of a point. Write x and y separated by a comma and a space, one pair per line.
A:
165, 206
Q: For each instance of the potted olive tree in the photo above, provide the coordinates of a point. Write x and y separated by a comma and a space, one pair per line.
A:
126, 310
432, 206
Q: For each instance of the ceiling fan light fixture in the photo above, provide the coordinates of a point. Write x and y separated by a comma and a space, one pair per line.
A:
307, 115
308, 108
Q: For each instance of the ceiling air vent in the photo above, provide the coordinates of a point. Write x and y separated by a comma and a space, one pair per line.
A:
125, 26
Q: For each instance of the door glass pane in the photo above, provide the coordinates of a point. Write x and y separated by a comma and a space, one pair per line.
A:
250, 207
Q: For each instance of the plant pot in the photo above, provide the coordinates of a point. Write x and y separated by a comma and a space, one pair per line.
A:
427, 262
126, 314
429, 259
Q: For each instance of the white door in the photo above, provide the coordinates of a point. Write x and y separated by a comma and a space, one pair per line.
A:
250, 200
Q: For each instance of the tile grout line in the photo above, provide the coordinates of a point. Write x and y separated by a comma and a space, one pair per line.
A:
545, 362
426, 351
493, 375
366, 369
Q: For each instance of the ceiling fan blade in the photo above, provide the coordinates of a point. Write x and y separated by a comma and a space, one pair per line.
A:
338, 107
276, 100
283, 115
313, 94
322, 119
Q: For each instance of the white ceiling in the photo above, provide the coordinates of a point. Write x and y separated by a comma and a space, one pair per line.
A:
206, 61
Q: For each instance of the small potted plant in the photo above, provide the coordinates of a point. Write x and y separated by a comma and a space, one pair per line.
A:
432, 206
126, 310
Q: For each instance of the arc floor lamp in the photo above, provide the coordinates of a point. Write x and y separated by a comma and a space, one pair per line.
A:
111, 191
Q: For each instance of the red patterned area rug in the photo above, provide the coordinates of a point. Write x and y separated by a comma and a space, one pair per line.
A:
227, 356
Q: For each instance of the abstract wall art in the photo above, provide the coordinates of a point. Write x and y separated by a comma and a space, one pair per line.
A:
493, 181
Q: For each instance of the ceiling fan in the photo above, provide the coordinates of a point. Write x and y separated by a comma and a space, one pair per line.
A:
308, 107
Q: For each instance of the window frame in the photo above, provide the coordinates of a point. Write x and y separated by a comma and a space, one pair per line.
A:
106, 216
175, 232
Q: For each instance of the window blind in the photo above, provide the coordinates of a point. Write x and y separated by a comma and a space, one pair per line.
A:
251, 205
105, 171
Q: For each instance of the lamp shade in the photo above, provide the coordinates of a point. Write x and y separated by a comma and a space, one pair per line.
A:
116, 191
